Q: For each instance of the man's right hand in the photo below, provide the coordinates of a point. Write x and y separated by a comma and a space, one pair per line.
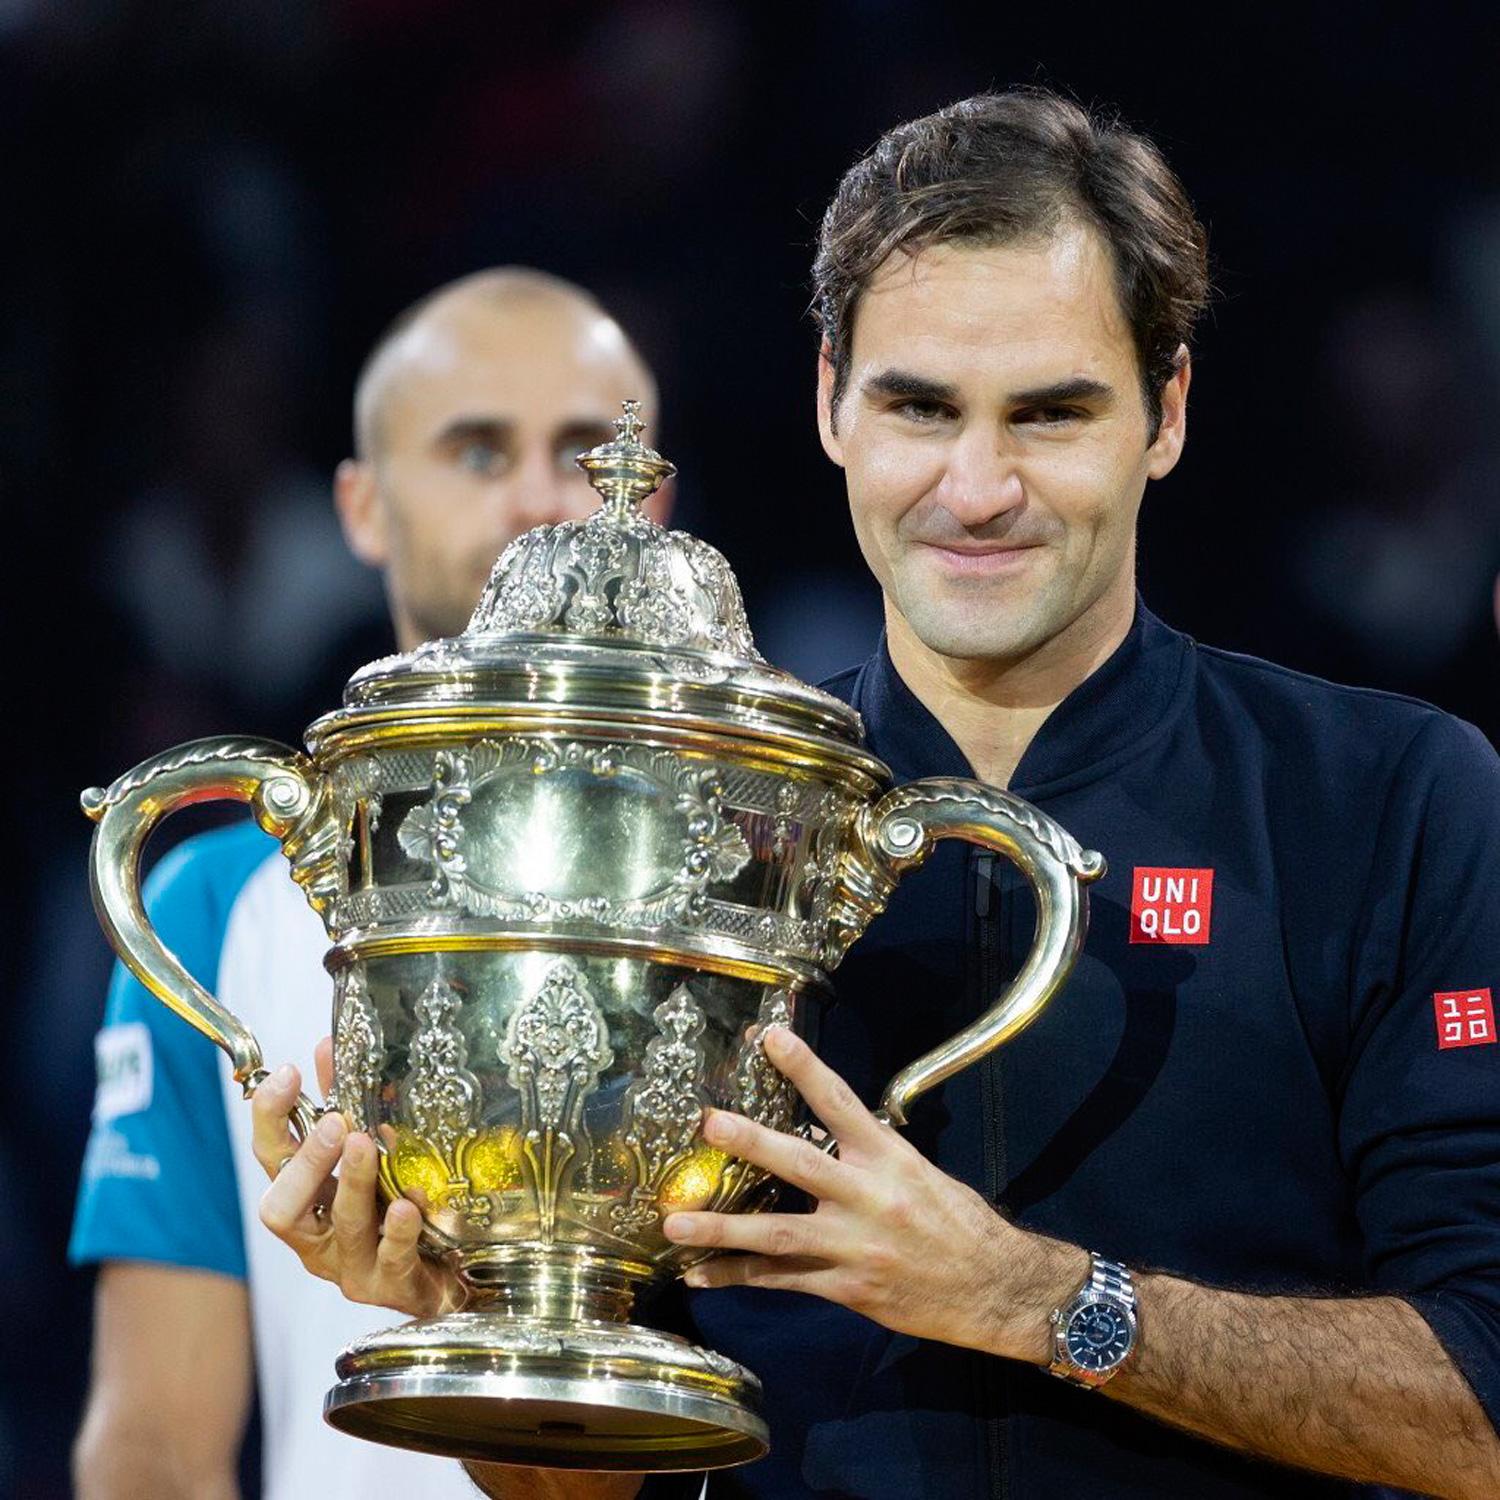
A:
333, 1222
322, 1202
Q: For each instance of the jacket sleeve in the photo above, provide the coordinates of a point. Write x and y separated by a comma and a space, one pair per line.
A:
1419, 1117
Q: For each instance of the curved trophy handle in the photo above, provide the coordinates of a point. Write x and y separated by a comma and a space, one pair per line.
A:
898, 833
291, 800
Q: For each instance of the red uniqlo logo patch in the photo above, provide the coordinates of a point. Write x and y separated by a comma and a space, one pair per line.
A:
1171, 906
1465, 1018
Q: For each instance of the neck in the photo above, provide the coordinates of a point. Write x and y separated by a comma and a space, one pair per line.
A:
994, 706
409, 633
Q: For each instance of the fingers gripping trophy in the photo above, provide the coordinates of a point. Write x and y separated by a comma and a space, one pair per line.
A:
574, 863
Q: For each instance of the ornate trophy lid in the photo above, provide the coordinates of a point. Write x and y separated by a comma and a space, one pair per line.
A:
618, 576
606, 614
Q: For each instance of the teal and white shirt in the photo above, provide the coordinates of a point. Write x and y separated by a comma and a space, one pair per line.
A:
169, 1176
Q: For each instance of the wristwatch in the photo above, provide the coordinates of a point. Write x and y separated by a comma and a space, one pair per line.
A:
1094, 1334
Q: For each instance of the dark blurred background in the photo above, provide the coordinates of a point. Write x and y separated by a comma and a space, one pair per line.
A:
209, 208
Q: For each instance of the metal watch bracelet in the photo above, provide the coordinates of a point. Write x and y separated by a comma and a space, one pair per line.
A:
1109, 1285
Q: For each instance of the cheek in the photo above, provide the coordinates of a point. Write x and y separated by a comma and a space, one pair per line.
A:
1094, 492
437, 523
887, 476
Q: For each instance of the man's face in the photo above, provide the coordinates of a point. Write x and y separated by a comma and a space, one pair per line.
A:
995, 442
485, 408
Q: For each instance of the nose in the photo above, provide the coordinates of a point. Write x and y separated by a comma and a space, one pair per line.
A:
535, 492
981, 481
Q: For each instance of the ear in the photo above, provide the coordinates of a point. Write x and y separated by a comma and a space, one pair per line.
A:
356, 498
826, 428
1162, 455
659, 506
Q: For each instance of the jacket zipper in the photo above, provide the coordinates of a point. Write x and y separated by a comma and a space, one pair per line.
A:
991, 1373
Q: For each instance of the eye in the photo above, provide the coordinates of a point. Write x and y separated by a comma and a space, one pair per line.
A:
575, 438
924, 413
483, 458
566, 454
1048, 416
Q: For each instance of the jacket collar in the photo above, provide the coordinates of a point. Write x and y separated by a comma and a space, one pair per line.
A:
1124, 704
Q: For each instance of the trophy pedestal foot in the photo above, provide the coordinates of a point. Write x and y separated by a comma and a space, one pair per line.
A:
549, 1394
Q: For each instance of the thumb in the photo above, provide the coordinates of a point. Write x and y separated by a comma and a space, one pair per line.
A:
323, 1057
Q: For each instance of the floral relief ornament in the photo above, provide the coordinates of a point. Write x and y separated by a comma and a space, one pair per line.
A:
556, 1046
664, 1107
440, 1098
358, 1049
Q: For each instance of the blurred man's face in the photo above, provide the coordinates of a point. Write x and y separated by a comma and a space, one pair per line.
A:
995, 443
482, 413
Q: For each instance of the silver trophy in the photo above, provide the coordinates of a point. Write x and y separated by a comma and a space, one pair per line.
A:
574, 863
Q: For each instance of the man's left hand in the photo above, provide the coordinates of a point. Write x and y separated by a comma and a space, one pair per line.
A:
892, 1237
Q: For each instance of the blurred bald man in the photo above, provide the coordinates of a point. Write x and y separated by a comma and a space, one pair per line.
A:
467, 417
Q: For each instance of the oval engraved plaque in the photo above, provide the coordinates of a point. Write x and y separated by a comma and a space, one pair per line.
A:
504, 832
571, 833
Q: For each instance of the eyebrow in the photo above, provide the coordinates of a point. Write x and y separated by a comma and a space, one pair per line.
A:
906, 386
909, 387
1060, 392
587, 432
469, 429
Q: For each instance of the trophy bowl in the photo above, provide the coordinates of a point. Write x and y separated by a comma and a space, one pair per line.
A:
574, 863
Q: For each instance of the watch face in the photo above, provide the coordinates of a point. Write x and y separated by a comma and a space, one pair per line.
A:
1098, 1337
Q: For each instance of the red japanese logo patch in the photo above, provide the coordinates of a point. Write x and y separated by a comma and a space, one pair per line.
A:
1465, 1018
1171, 906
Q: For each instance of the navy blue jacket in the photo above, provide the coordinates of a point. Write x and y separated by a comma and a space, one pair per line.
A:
1296, 1090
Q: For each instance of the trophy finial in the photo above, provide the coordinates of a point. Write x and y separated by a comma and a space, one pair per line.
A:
629, 425
624, 470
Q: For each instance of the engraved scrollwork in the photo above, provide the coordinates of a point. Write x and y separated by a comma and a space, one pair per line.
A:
776, 933
199, 752
848, 890
730, 630
343, 807
599, 555
788, 801
650, 607
522, 592
358, 1050
431, 833
664, 1107
899, 834
556, 1046
357, 783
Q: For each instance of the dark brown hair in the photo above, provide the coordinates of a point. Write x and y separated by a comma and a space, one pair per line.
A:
998, 168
